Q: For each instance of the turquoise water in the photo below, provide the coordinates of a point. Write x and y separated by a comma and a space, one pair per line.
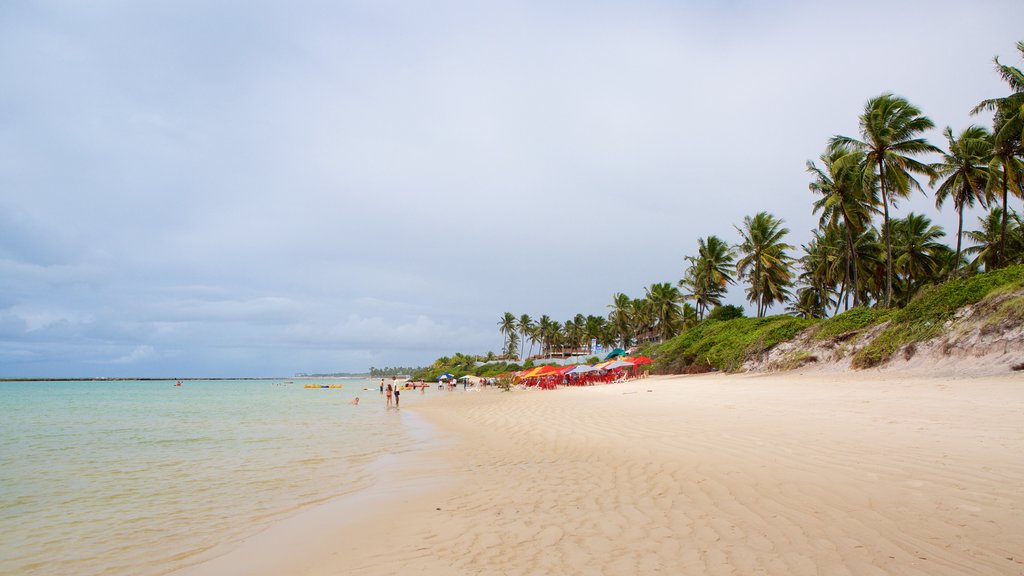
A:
139, 477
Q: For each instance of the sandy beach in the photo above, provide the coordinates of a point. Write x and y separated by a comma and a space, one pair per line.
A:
790, 474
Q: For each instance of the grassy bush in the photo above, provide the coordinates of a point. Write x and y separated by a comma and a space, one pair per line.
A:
724, 345
852, 320
925, 316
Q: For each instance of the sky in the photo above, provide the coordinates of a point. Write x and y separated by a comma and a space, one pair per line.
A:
192, 188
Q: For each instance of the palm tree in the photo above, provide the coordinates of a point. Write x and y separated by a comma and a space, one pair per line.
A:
988, 239
708, 273
595, 328
525, 325
507, 326
808, 304
890, 127
543, 333
963, 171
847, 185
1005, 173
620, 317
917, 251
1009, 109
665, 299
1008, 130
641, 318
764, 262
819, 263
513, 344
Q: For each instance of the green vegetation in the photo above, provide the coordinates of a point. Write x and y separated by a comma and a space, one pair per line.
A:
725, 345
392, 371
852, 320
925, 316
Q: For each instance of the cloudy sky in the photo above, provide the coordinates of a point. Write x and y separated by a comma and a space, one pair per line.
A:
193, 188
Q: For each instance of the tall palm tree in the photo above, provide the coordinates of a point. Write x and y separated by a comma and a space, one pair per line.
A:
963, 172
988, 239
709, 273
507, 326
544, 332
763, 260
620, 317
1008, 131
848, 187
641, 316
525, 324
819, 263
1005, 174
595, 328
1009, 109
665, 299
917, 251
891, 127
513, 344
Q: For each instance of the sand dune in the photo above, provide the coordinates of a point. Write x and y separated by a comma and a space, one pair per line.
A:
825, 473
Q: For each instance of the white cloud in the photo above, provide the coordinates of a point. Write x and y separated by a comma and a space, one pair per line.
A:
376, 183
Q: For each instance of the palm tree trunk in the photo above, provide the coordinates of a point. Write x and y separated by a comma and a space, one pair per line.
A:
851, 262
842, 292
959, 236
1002, 226
885, 233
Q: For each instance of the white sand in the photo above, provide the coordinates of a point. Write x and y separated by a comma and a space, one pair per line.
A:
820, 473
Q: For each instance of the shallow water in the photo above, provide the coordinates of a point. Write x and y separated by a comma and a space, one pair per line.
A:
139, 477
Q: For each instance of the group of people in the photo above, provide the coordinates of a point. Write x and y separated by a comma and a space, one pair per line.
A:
392, 389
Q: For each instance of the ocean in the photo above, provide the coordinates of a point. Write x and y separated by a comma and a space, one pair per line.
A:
141, 477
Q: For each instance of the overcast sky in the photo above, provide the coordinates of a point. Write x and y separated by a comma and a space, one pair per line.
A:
194, 188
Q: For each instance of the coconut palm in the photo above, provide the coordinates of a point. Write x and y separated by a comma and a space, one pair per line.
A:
642, 318
808, 303
917, 251
963, 172
763, 260
988, 239
620, 317
890, 127
512, 346
1009, 109
543, 332
665, 301
595, 328
524, 325
507, 325
822, 257
709, 273
848, 187
1006, 172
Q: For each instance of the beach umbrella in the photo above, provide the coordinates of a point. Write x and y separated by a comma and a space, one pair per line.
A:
545, 370
583, 369
618, 364
639, 360
615, 353
445, 376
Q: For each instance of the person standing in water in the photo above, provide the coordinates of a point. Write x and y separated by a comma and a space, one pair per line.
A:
381, 386
387, 392
397, 394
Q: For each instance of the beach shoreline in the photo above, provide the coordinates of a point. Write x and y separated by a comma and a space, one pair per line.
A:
793, 473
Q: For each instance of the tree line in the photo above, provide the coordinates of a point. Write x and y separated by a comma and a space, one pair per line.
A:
859, 255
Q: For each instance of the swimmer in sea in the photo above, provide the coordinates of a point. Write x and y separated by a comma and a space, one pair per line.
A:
355, 401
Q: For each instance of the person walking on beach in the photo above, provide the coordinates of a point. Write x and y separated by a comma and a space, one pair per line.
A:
398, 393
387, 393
